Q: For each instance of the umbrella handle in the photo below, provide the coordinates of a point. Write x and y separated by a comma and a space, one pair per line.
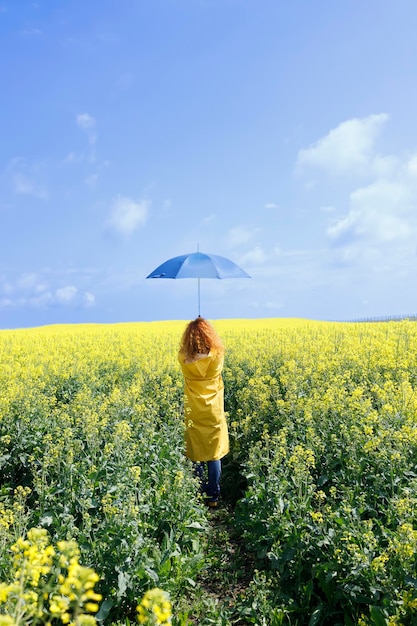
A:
199, 297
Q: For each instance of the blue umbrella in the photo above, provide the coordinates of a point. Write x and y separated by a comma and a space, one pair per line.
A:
198, 265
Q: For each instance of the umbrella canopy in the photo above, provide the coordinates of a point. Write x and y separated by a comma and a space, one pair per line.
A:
198, 265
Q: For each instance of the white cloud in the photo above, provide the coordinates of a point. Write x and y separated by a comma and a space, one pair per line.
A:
84, 120
126, 215
89, 299
26, 178
411, 166
33, 290
88, 123
378, 229
74, 157
32, 31
384, 166
66, 294
24, 186
270, 205
6, 303
383, 207
346, 149
273, 305
28, 281
256, 256
74, 297
336, 229
380, 212
238, 236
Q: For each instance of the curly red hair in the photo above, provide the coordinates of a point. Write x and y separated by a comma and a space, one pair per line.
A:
200, 337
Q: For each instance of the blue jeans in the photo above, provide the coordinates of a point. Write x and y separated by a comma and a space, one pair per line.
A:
210, 484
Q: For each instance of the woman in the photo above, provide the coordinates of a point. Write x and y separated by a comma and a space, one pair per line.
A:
201, 357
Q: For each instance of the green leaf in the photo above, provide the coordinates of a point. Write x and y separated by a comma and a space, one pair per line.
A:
377, 616
315, 616
152, 574
195, 525
104, 610
122, 581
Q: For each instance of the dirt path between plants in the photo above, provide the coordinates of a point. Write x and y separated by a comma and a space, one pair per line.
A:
230, 568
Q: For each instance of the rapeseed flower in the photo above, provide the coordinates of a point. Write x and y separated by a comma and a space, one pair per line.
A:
155, 608
48, 582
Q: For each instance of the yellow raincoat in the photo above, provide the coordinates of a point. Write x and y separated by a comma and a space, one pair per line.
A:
206, 434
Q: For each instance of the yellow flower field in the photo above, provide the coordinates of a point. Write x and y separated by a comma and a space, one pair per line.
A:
322, 473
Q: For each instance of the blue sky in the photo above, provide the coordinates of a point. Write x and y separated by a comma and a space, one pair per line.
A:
281, 135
